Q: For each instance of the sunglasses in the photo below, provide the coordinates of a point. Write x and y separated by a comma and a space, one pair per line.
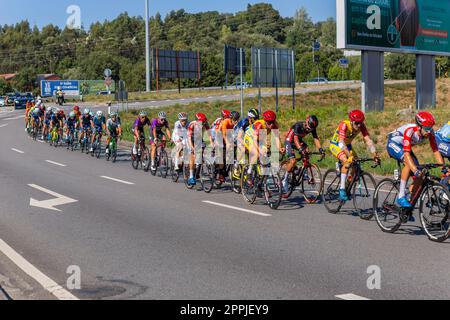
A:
428, 129
270, 123
358, 124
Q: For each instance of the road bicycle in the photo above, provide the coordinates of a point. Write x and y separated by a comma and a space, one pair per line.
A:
97, 145
142, 158
262, 182
112, 150
307, 177
71, 139
161, 161
432, 198
360, 186
85, 142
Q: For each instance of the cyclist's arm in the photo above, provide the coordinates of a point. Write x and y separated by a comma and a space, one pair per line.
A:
169, 134
342, 137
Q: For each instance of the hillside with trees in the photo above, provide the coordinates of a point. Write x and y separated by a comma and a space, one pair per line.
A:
120, 45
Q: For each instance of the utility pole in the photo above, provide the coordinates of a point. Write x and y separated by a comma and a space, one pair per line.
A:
147, 44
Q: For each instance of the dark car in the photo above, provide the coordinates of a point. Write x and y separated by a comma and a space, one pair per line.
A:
10, 98
20, 102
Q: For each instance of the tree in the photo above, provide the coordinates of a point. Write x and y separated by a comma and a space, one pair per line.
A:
400, 66
302, 33
5, 87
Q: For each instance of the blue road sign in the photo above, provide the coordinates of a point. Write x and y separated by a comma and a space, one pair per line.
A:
69, 87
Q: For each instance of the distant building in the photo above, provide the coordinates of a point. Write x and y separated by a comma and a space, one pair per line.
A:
48, 76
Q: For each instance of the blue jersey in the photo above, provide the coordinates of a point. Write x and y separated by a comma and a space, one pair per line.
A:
99, 122
244, 124
71, 122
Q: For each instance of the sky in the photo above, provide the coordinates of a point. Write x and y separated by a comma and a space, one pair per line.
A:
44, 12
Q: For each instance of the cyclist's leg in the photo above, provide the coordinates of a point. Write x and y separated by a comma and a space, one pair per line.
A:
396, 152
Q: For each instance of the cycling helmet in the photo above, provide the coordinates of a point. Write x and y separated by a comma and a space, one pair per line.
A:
357, 116
76, 108
55, 110
86, 111
113, 114
235, 116
312, 122
91, 114
253, 114
182, 116
72, 115
226, 114
143, 114
61, 112
99, 114
162, 116
201, 117
269, 116
425, 120
36, 111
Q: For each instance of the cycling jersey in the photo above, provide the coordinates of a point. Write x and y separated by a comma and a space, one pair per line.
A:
99, 122
141, 124
159, 126
113, 126
299, 130
255, 130
444, 133
226, 125
77, 115
86, 121
179, 132
244, 124
408, 136
196, 126
71, 123
346, 132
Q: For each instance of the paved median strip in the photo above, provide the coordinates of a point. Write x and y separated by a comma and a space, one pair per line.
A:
47, 283
117, 180
351, 296
17, 150
238, 209
56, 163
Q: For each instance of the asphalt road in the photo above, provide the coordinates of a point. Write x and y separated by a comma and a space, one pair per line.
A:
148, 238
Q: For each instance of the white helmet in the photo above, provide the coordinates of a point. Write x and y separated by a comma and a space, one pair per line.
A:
86, 111
99, 113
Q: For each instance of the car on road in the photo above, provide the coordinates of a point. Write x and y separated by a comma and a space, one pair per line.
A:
319, 80
245, 85
10, 97
2, 102
20, 102
104, 93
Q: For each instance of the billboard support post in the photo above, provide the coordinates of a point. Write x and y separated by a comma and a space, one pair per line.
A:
425, 82
178, 74
241, 53
276, 79
293, 80
372, 85
259, 82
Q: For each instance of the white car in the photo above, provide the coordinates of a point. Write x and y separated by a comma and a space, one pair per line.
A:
2, 101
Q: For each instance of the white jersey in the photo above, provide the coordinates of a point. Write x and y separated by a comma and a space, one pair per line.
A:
409, 136
179, 132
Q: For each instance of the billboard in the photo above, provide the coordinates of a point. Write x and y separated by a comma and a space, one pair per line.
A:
91, 87
273, 68
172, 64
232, 57
69, 87
404, 26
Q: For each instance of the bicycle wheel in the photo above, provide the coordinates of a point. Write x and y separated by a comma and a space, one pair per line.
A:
135, 160
114, 154
249, 185
98, 149
164, 164
175, 175
145, 158
273, 190
434, 209
386, 212
311, 183
330, 196
362, 195
207, 176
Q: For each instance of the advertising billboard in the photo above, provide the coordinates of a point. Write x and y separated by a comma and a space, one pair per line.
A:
404, 26
273, 68
69, 87
232, 59
171, 64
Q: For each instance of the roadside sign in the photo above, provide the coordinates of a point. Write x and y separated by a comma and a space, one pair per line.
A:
316, 46
343, 63
69, 87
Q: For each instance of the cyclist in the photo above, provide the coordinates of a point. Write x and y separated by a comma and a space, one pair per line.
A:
113, 128
400, 143
62, 121
294, 141
197, 127
71, 125
443, 140
226, 126
47, 120
138, 128
99, 122
216, 125
76, 110
27, 115
36, 118
56, 121
252, 137
179, 137
341, 145
244, 124
85, 124
156, 134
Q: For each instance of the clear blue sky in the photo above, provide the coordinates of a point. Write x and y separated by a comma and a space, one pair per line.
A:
43, 12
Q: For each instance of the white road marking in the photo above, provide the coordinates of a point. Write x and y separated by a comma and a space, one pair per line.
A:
56, 163
117, 180
15, 118
47, 283
52, 203
17, 150
350, 296
3, 125
238, 209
